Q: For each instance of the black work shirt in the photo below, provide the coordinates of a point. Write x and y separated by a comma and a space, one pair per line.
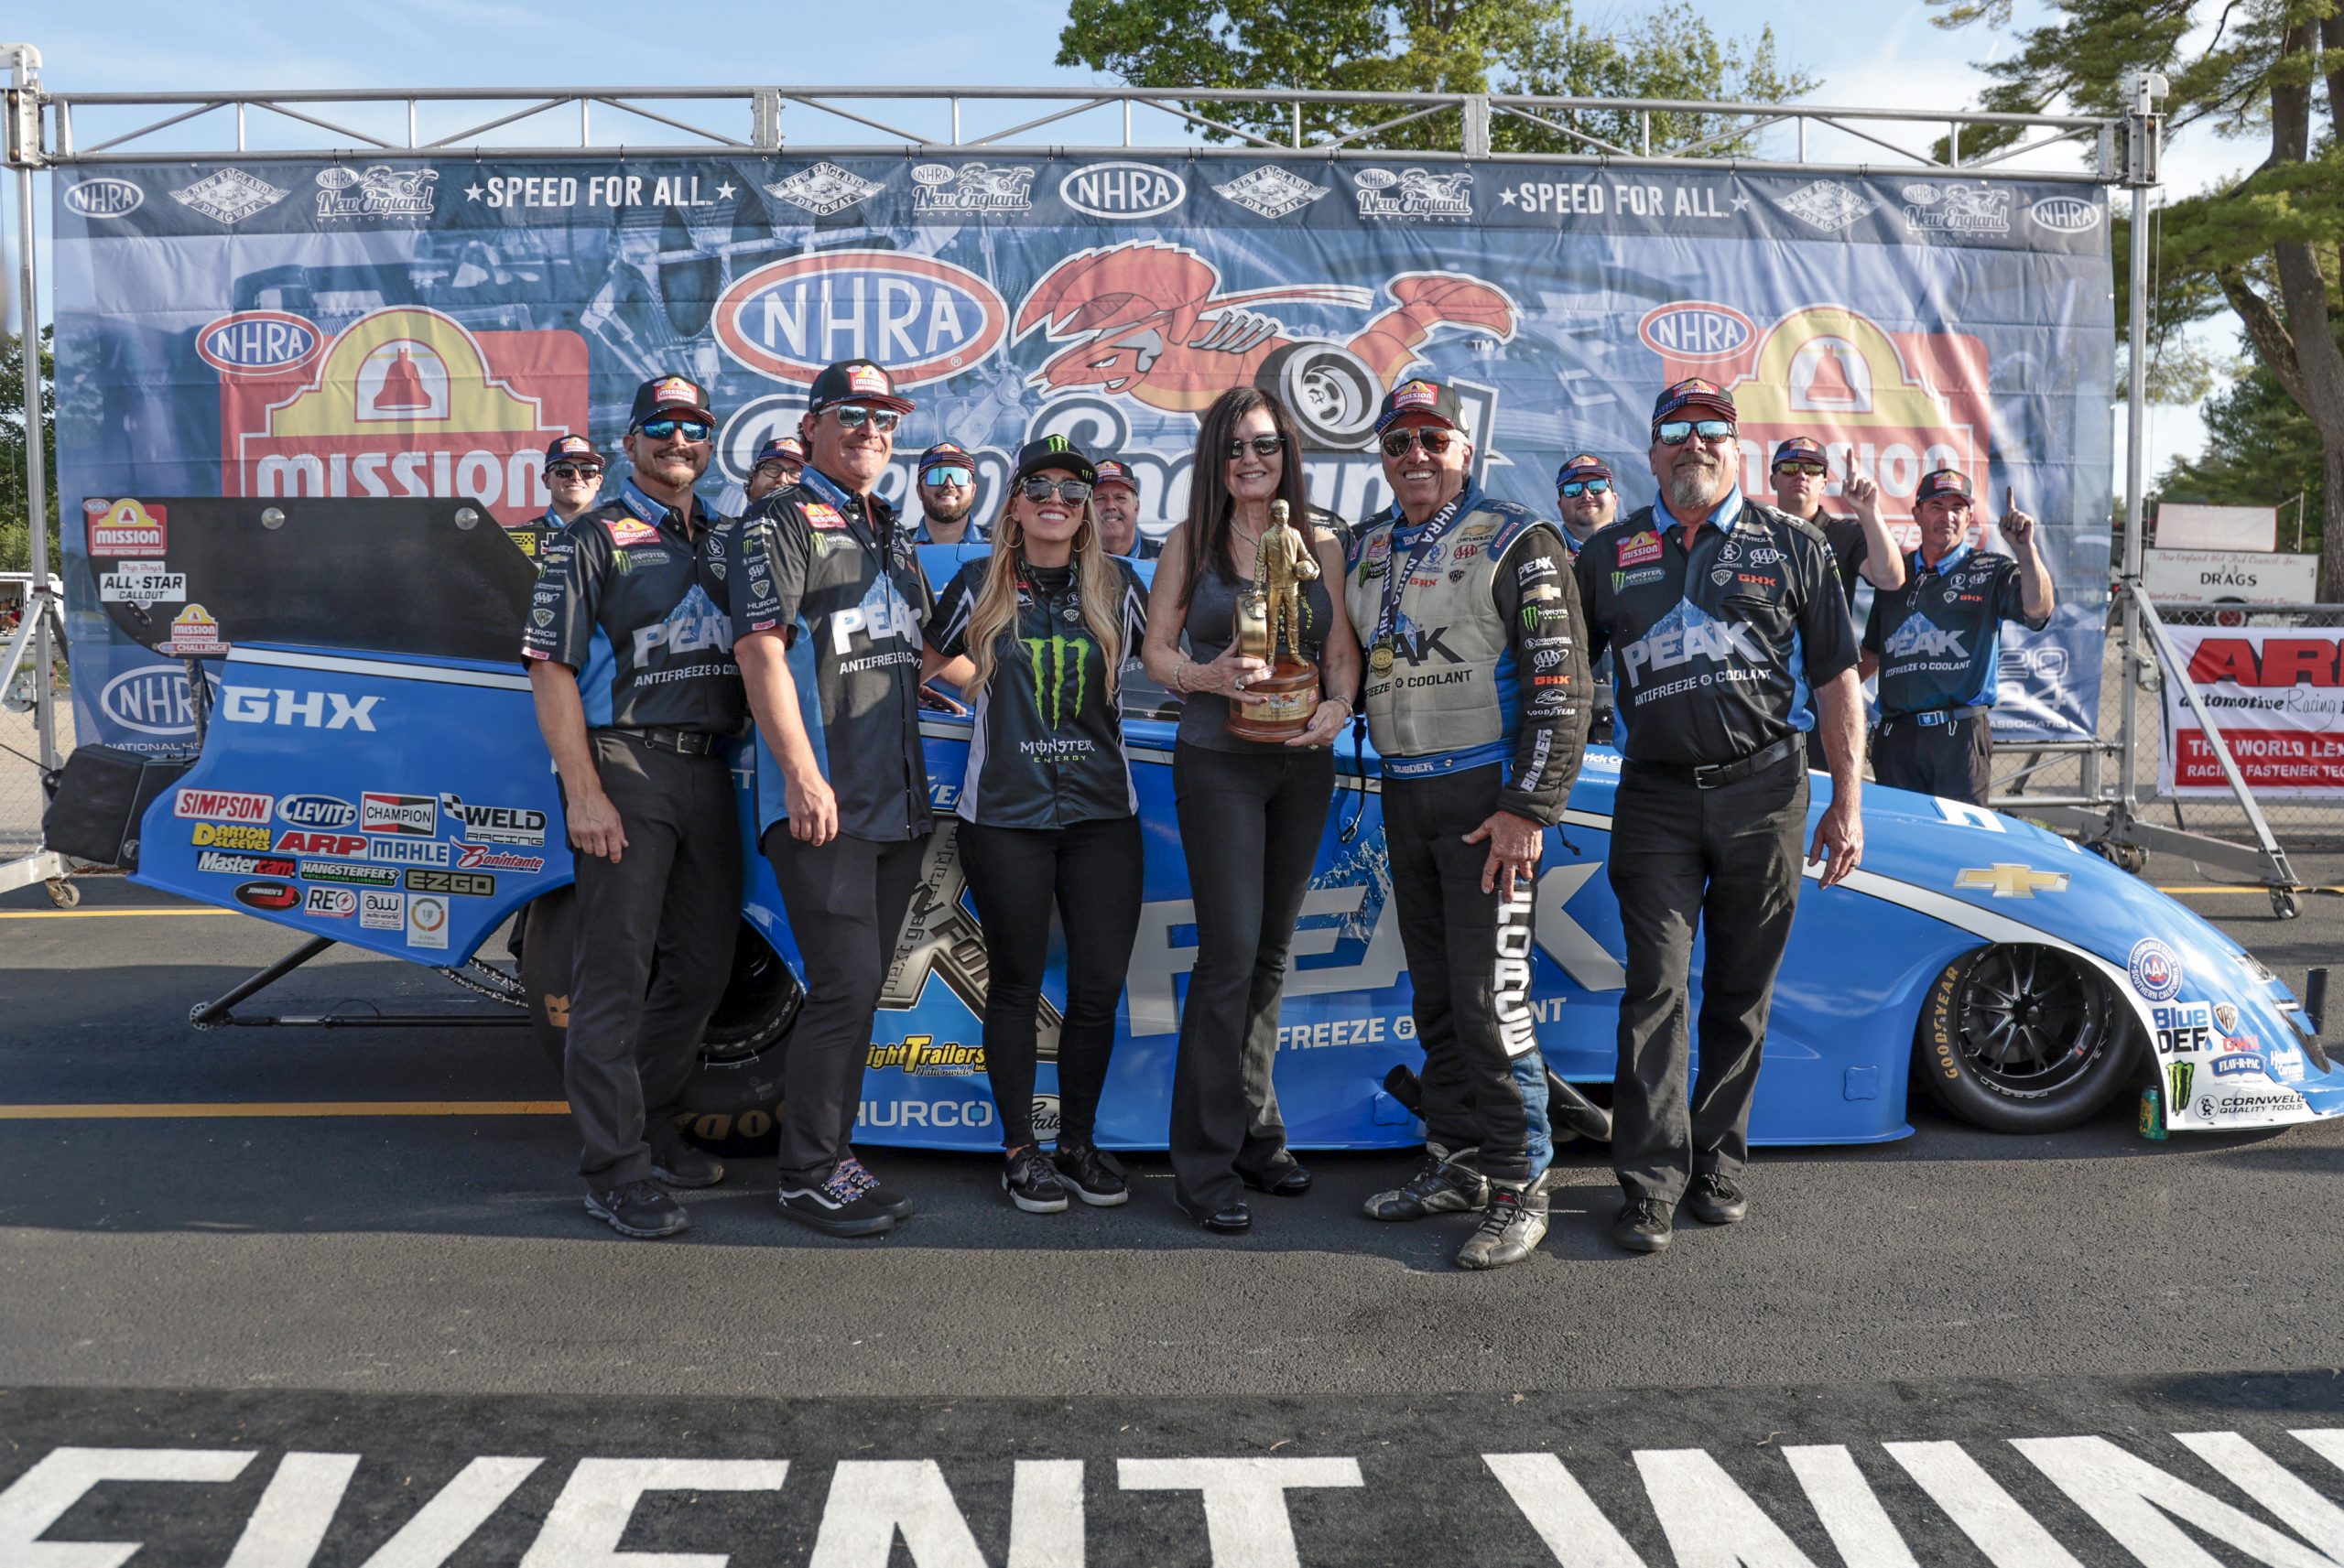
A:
1848, 547
1940, 638
838, 577
1715, 654
1047, 750
636, 605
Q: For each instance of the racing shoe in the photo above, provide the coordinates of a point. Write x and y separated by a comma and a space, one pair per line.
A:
1511, 1228
1032, 1183
1090, 1174
837, 1206
639, 1210
1444, 1183
1717, 1200
896, 1202
1645, 1224
682, 1164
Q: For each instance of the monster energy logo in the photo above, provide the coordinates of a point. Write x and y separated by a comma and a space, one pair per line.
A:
1051, 657
1057, 443
2182, 1073
1530, 618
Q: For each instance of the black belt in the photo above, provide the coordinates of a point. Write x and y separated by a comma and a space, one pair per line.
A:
1717, 776
1931, 717
661, 738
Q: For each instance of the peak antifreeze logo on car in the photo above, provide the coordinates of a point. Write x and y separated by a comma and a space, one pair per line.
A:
923, 318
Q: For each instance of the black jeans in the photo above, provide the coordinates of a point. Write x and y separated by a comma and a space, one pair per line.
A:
1249, 825
846, 901
1680, 853
672, 899
1955, 760
1092, 872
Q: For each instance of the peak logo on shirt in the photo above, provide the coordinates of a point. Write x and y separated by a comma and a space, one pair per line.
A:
1922, 638
1685, 635
882, 613
694, 626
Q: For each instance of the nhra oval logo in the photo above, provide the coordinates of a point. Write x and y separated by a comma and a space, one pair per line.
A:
922, 318
317, 811
255, 342
2065, 215
1123, 191
152, 700
2155, 970
107, 198
1695, 329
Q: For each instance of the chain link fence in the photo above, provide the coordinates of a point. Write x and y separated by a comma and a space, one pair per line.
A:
21, 796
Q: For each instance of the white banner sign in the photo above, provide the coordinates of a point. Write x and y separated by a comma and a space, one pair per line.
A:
2277, 695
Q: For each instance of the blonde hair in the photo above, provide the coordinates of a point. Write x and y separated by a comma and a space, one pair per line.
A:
1099, 585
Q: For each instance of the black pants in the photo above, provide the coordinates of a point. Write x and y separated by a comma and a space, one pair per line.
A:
1468, 963
655, 930
1954, 760
1092, 872
1250, 823
1679, 854
846, 901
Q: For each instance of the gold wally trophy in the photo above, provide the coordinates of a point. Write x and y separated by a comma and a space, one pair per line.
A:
1269, 627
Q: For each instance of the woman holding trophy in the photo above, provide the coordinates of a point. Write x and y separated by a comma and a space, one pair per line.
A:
1268, 676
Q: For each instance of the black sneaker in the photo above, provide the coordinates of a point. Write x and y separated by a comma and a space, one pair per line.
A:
837, 1206
638, 1209
1644, 1225
1716, 1200
894, 1202
682, 1164
1511, 1227
1032, 1183
1090, 1174
1443, 1183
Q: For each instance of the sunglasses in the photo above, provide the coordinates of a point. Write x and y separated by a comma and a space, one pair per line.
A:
941, 476
572, 471
660, 429
1435, 443
1264, 446
1578, 487
1676, 432
1803, 467
1073, 492
853, 416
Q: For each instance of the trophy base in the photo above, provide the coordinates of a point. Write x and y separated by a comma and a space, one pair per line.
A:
1293, 691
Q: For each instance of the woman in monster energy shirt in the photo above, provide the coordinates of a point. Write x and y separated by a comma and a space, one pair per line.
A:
1036, 633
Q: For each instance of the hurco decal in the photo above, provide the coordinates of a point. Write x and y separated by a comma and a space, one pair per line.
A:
404, 402
922, 318
1893, 405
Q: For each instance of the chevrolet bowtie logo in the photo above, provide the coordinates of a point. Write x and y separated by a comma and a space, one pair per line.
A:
2012, 882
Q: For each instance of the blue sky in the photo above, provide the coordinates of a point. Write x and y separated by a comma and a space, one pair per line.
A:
1864, 54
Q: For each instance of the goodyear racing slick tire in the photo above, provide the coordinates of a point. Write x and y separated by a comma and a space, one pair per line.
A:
2022, 1038
734, 1093
1332, 393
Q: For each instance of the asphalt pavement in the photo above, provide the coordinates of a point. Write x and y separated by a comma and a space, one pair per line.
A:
424, 1290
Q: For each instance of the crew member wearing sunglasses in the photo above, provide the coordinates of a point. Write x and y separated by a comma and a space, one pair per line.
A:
574, 483
1038, 631
947, 490
1477, 701
779, 462
1585, 499
630, 660
828, 602
1862, 544
1721, 615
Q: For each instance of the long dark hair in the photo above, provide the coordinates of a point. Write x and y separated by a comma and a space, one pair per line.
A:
1210, 503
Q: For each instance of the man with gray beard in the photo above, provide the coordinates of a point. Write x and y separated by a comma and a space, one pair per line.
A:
1722, 615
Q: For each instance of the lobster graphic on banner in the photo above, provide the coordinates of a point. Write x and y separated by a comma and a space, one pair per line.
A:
1148, 322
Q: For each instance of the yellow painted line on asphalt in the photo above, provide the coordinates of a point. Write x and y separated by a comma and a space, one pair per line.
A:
137, 1111
101, 914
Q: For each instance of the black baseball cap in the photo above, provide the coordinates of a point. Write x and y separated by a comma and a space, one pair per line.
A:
1943, 484
856, 381
788, 449
1806, 447
1587, 465
670, 394
1421, 396
572, 449
1053, 452
1693, 392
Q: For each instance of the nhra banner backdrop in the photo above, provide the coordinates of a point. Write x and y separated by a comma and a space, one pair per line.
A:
416, 329
2277, 696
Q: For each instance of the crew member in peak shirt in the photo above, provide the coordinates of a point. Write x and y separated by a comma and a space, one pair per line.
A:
1116, 499
946, 491
779, 462
1721, 615
1476, 697
1937, 642
630, 662
573, 484
828, 602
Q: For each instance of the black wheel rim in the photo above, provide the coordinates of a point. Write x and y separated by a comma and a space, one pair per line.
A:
759, 1002
2033, 1022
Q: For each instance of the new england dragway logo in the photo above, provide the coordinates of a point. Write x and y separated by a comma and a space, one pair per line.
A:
379, 191
943, 190
1956, 208
404, 402
1413, 193
1148, 321
922, 318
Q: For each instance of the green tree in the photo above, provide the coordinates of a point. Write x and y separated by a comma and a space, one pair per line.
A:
16, 537
1415, 47
2260, 450
2268, 247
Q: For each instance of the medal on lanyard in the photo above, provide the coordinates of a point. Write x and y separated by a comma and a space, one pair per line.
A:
1380, 655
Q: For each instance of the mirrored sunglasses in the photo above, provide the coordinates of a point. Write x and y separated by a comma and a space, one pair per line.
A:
1806, 468
1578, 487
1073, 492
660, 429
943, 474
1264, 446
853, 416
1434, 441
574, 470
1676, 432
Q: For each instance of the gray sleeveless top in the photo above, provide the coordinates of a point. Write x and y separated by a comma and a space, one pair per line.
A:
1212, 623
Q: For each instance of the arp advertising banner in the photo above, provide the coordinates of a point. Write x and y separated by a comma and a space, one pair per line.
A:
2277, 696
416, 329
